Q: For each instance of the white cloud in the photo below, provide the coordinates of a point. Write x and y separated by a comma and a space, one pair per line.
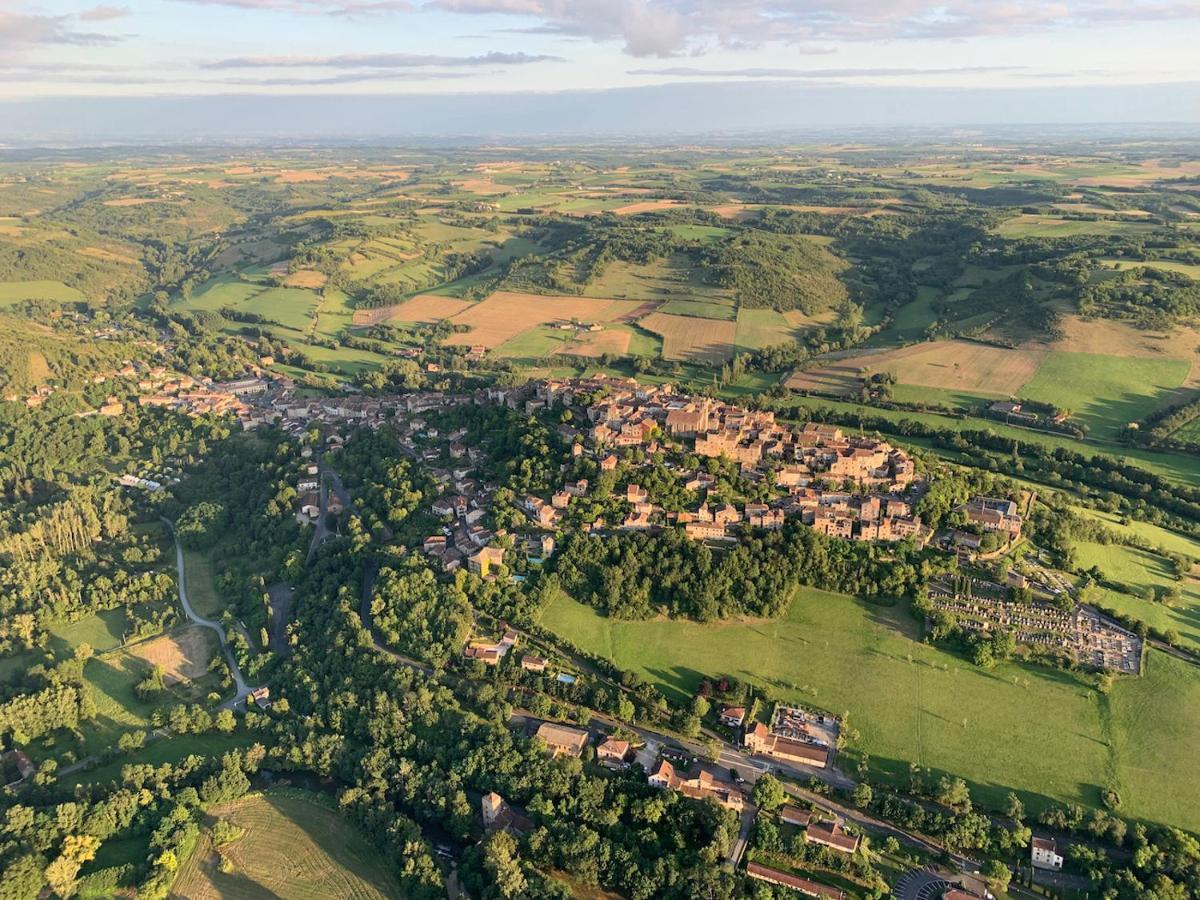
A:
379, 61
21, 28
804, 74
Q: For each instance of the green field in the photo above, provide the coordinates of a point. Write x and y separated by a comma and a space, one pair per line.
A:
290, 307
294, 845
535, 343
758, 328
1053, 226
674, 278
1189, 432
1190, 269
913, 318
102, 631
170, 749
914, 702
20, 291
201, 588
1105, 392
1168, 540
1139, 571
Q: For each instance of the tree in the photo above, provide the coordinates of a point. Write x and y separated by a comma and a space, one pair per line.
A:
863, 795
1014, 808
225, 722
768, 793
954, 793
77, 849
998, 875
502, 863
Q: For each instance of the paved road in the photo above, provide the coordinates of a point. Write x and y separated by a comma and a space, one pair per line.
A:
243, 690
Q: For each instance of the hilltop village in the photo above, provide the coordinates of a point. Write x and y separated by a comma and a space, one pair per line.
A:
848, 487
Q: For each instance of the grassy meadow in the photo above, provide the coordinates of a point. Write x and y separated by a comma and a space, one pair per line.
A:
916, 703
201, 586
294, 845
1105, 392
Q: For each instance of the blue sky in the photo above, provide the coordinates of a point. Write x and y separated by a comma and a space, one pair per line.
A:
195, 47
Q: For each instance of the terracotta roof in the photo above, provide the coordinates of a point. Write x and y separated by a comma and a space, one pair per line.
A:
795, 882
832, 835
794, 815
563, 737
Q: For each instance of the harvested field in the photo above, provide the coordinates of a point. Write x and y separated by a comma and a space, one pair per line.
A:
483, 186
946, 365
306, 278
425, 308
183, 654
505, 314
131, 201
642, 206
598, 343
639, 311
687, 338
299, 176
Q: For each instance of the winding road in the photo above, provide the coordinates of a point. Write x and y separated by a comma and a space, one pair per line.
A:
243, 690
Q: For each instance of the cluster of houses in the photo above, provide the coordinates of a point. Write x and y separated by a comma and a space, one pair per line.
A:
794, 736
1083, 634
987, 514
850, 487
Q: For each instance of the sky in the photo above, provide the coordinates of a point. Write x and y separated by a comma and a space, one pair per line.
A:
881, 51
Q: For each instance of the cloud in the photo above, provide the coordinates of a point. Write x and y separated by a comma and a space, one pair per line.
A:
341, 78
379, 61
317, 7
670, 27
19, 28
696, 72
665, 28
104, 13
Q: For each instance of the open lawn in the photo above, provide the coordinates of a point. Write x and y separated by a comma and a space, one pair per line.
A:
1105, 392
201, 588
916, 703
294, 845
290, 307
101, 631
19, 291
913, 318
110, 680
688, 338
1034, 225
758, 328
